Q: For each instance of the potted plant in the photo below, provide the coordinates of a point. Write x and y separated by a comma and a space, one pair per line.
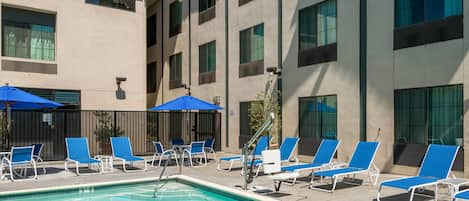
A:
104, 130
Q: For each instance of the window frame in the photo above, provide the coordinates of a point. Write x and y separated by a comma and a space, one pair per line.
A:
310, 144
152, 30
175, 29
7, 22
175, 83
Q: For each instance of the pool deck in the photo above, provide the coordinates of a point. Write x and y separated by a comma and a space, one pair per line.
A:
56, 176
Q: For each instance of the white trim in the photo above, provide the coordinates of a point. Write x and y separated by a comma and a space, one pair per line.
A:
214, 186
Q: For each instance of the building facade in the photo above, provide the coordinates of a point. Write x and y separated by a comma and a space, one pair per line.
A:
384, 70
73, 51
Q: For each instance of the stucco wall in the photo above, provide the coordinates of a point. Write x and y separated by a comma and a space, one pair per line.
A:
94, 45
339, 78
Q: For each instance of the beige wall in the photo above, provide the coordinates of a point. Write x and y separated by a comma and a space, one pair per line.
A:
94, 45
434, 64
332, 78
154, 55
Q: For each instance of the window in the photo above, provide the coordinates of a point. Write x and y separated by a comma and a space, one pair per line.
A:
318, 25
71, 99
206, 10
252, 44
429, 116
28, 34
175, 18
207, 62
121, 4
175, 71
151, 30
317, 121
207, 57
245, 130
151, 77
409, 12
206, 4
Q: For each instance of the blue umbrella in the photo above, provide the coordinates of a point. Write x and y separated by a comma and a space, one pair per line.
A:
14, 98
186, 103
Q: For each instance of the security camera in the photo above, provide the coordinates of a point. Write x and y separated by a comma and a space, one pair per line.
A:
120, 79
273, 70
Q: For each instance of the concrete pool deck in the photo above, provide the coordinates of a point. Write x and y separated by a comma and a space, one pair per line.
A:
56, 176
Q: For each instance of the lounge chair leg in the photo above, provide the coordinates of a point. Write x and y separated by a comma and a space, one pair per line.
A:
412, 194
277, 185
379, 193
77, 169
159, 162
205, 159
334, 180
35, 170
153, 160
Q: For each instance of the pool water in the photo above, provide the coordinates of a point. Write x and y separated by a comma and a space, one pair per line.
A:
168, 191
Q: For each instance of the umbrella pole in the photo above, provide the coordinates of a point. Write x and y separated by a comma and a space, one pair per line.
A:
7, 109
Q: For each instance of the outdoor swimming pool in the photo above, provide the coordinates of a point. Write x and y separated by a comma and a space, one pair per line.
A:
169, 190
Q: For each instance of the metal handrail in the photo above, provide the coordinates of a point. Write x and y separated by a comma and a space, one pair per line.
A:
155, 190
267, 125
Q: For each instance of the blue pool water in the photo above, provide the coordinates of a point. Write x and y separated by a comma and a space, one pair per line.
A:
168, 191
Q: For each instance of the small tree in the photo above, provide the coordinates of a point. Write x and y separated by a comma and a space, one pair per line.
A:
260, 110
105, 129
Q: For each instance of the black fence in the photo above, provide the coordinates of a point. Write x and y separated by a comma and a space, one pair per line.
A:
142, 127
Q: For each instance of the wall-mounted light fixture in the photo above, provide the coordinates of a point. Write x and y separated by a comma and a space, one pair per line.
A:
120, 93
274, 71
216, 100
188, 88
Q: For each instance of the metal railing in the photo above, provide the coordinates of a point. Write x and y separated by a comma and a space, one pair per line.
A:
266, 126
51, 127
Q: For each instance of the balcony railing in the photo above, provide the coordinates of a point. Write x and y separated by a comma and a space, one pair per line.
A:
119, 4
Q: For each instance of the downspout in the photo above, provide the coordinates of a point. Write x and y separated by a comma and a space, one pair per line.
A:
280, 66
162, 52
190, 47
362, 66
227, 108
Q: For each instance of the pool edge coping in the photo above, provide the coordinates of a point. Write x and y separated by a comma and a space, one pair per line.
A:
208, 184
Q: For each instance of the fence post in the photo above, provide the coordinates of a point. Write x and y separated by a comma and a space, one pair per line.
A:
115, 124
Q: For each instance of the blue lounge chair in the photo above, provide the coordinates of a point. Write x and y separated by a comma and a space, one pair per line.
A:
209, 143
122, 150
20, 157
261, 145
196, 149
163, 154
37, 155
79, 153
463, 195
436, 166
287, 149
361, 162
323, 158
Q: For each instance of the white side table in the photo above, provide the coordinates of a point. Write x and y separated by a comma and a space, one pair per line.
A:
454, 184
108, 165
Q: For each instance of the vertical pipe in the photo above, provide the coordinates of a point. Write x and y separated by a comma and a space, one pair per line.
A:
280, 66
227, 108
362, 66
162, 52
190, 48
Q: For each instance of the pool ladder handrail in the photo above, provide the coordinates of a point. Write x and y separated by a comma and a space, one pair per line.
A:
157, 187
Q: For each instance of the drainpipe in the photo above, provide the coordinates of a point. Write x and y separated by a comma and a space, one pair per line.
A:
362, 66
280, 66
190, 46
227, 108
162, 51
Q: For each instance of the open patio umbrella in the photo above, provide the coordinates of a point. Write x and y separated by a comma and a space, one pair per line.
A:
14, 98
186, 103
